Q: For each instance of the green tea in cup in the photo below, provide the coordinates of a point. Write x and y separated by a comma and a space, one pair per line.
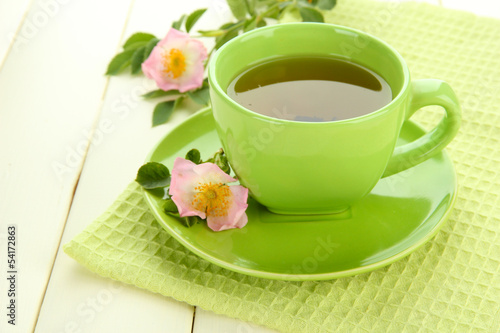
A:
310, 88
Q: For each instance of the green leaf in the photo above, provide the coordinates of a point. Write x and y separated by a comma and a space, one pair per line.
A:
137, 40
261, 23
160, 93
211, 33
119, 62
290, 14
238, 8
157, 192
189, 221
137, 60
221, 161
221, 40
284, 4
162, 112
193, 18
153, 175
250, 6
178, 101
136, 46
273, 10
194, 156
178, 24
311, 15
149, 47
229, 25
170, 207
273, 14
200, 96
326, 4
250, 24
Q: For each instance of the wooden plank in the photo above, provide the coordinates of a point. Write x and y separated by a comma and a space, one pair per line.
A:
80, 301
122, 138
50, 91
11, 16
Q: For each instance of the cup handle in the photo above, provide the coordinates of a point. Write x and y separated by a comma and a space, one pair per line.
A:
424, 93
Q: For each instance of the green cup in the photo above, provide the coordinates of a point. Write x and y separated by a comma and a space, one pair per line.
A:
294, 167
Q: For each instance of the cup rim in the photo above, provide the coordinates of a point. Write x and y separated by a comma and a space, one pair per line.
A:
214, 84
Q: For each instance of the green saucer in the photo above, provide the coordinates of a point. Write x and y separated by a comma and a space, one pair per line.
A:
401, 213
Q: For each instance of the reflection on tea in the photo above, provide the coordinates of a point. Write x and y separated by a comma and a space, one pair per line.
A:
311, 89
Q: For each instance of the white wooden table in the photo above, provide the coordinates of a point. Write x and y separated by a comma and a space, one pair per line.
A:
70, 141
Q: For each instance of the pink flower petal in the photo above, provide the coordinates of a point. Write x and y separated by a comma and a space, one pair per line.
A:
211, 173
173, 38
182, 185
236, 216
153, 67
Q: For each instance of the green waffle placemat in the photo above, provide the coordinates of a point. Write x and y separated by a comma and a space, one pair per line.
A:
451, 284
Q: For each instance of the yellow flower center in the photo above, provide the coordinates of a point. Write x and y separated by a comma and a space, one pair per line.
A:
174, 63
213, 199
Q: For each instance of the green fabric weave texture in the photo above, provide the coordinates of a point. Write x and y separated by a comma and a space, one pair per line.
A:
451, 284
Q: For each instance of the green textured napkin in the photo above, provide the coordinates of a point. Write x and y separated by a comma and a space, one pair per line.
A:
451, 284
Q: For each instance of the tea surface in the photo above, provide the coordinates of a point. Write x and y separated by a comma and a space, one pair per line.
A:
311, 89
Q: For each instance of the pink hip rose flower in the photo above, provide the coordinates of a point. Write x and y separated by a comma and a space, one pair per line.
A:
176, 62
202, 190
